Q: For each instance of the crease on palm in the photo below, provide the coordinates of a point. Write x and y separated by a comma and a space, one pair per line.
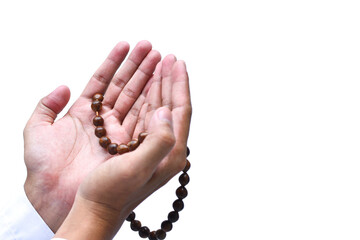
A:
80, 113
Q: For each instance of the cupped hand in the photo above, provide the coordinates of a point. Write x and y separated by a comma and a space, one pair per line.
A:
123, 181
58, 155
110, 192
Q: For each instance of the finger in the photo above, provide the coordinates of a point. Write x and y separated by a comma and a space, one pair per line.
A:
167, 66
50, 106
140, 124
100, 80
154, 97
157, 144
135, 86
125, 73
181, 104
135, 118
181, 112
166, 170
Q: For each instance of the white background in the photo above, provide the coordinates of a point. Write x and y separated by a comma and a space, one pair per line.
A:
275, 87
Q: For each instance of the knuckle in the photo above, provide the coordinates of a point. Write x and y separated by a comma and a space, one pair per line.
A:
130, 93
119, 82
150, 107
188, 110
167, 138
180, 156
100, 78
135, 111
167, 103
145, 72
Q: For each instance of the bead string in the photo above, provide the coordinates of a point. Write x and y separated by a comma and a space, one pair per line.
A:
113, 148
100, 131
173, 216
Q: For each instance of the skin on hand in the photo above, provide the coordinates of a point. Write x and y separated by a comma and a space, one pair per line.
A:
59, 155
112, 190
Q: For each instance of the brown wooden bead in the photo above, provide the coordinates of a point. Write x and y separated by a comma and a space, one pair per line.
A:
96, 106
122, 148
104, 141
178, 205
152, 236
184, 179
133, 144
173, 216
98, 121
142, 136
135, 225
144, 232
187, 167
187, 151
131, 217
112, 148
100, 131
181, 192
99, 97
160, 234
166, 226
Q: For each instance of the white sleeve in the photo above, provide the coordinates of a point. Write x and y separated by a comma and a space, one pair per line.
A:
20, 221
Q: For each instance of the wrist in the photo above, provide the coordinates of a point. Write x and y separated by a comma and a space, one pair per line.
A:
90, 220
51, 209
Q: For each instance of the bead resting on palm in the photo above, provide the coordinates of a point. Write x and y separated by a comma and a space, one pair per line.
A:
100, 132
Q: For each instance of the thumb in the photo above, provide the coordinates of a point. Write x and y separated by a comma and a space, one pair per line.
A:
158, 143
50, 106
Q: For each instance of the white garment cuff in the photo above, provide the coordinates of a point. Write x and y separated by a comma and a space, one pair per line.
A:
22, 222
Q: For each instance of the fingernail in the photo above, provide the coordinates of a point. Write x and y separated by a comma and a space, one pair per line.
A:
164, 114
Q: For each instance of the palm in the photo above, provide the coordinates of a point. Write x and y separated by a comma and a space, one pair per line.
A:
76, 151
59, 155
114, 183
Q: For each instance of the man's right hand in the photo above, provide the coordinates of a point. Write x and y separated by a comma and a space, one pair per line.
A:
58, 155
